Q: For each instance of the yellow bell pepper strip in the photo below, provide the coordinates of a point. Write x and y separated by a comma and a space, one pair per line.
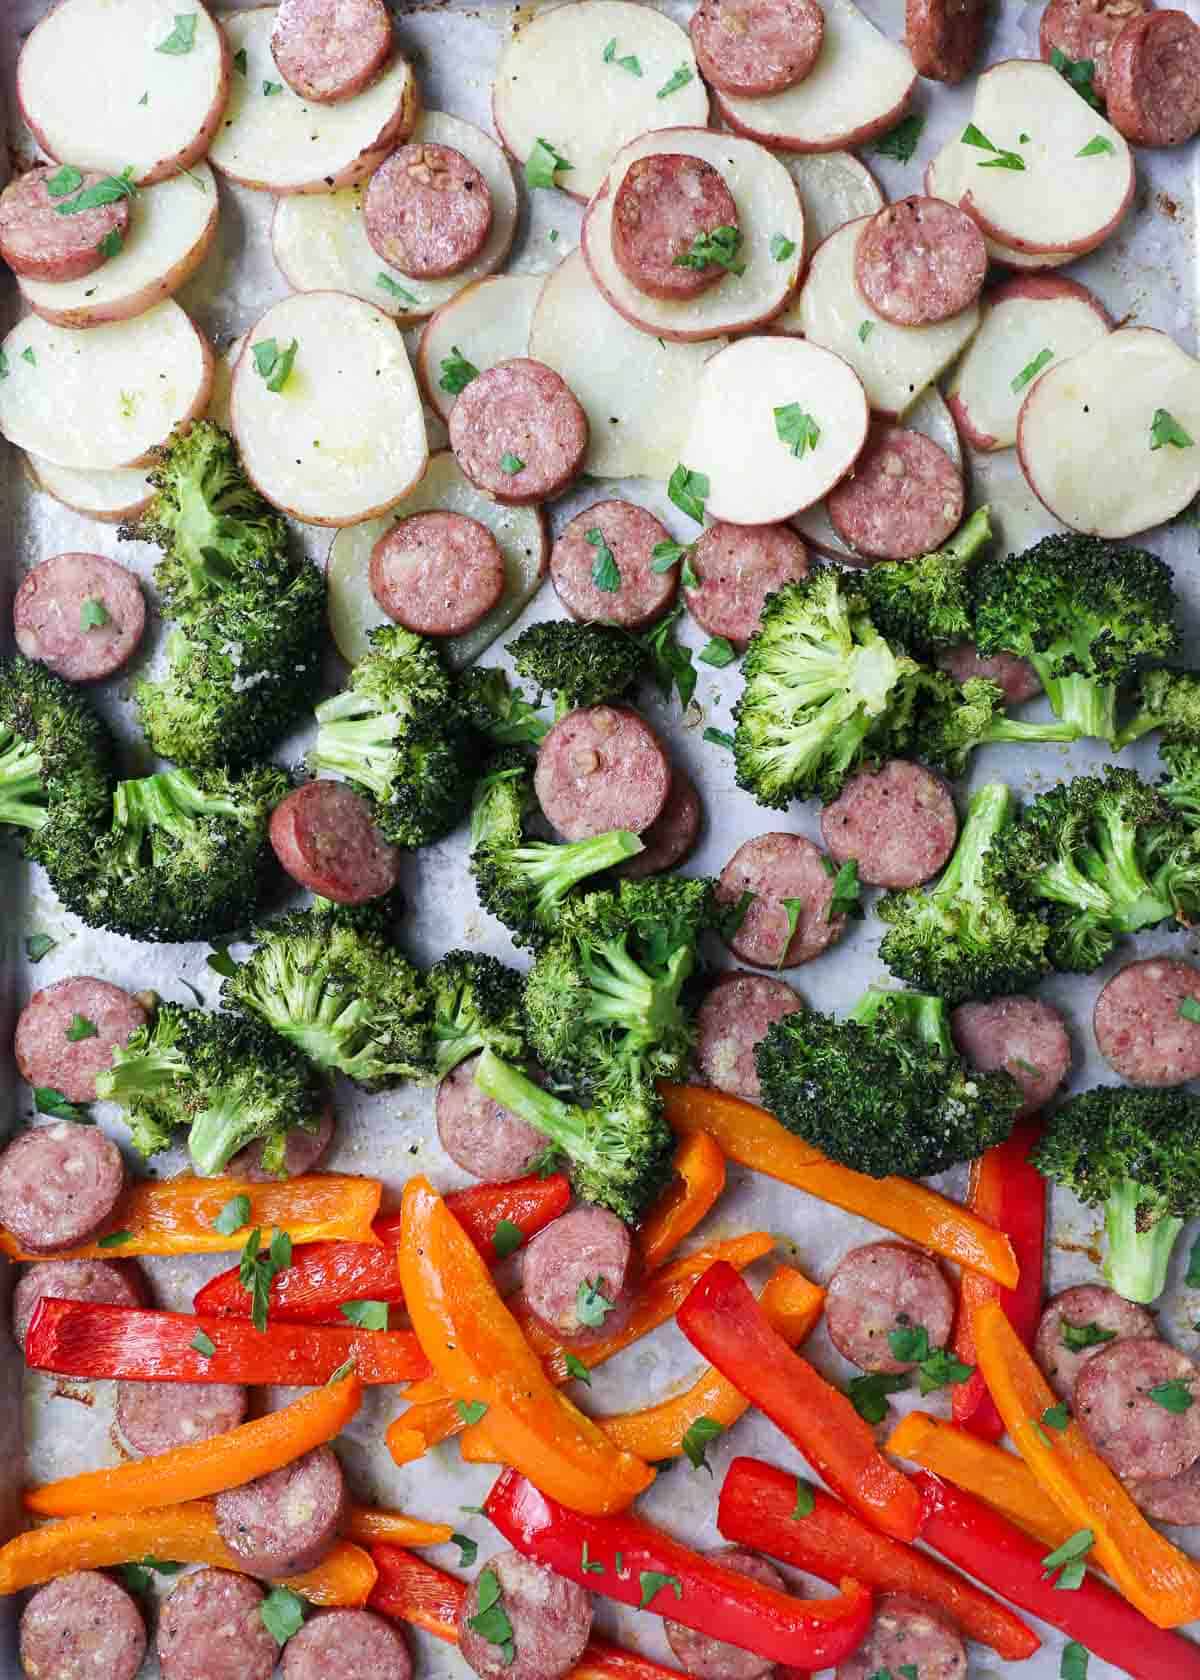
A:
179, 1216
1153, 1575
206, 1467
991, 1473
476, 1347
697, 1185
369, 1525
753, 1138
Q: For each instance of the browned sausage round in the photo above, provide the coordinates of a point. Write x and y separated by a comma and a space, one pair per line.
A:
665, 203
670, 836
583, 577
551, 1620
1174, 1500
115, 1283
478, 1135
328, 50
943, 36
40, 244
776, 868
67, 1032
427, 210
748, 48
1088, 1308
882, 1287
157, 1417
1154, 79
904, 497
920, 260
301, 1153
907, 1632
80, 614
325, 837
82, 1627
1139, 1029
58, 1185
569, 1263
1130, 1429
1015, 676
1022, 1035
437, 573
737, 567
285, 1522
347, 1645
1086, 29
601, 768
733, 1018
707, 1658
897, 823
211, 1629
518, 432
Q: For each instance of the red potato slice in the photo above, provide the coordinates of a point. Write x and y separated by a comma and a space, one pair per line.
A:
487, 323
738, 435
522, 534
1028, 325
554, 83
280, 143
110, 497
97, 91
171, 227
320, 241
107, 396
943, 179
835, 188
859, 87
1086, 429
768, 205
344, 439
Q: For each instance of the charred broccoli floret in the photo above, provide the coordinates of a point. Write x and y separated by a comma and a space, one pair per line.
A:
56, 760
475, 1005
1180, 787
949, 720
578, 664
494, 708
1168, 701
925, 604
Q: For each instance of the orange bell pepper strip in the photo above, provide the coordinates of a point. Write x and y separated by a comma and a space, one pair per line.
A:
476, 1347
369, 1525
178, 1216
205, 1467
186, 1533
999, 1478
698, 1182
1153, 1575
753, 1138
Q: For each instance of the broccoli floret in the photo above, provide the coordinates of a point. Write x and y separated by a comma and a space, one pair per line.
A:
1087, 614
1168, 701
331, 982
397, 733
965, 937
819, 684
1136, 1154
55, 758
925, 604
578, 664
146, 1078
476, 1004
497, 710
884, 1090
1180, 787
949, 720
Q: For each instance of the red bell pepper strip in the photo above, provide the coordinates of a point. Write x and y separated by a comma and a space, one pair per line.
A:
1009, 1193
723, 1320
978, 1540
644, 1567
324, 1275
756, 1509
87, 1339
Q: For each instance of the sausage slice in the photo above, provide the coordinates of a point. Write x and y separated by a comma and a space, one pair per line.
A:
601, 768
626, 590
737, 567
329, 50
706, 1658
286, 1521
920, 260
478, 1135
907, 1631
39, 243
897, 823
671, 836
1154, 79
347, 1645
1088, 1307
904, 497
1015, 676
551, 1620
518, 432
943, 37
211, 1629
664, 204
1116, 1407
882, 1287
58, 1185
325, 837
1139, 1029
1086, 29
82, 1627
731, 1021
427, 210
1022, 1035
584, 1253
437, 573
67, 1032
749, 48
157, 1417
786, 875
1174, 1500
80, 614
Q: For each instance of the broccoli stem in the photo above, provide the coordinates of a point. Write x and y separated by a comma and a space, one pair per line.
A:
1016, 729
1137, 1259
1117, 868
21, 793
1089, 706
625, 996
217, 1133
970, 537
989, 811
166, 801
563, 1123
552, 869
356, 740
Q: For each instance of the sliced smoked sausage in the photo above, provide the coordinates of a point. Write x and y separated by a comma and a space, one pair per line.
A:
907, 1632
904, 497
325, 837
211, 1628
749, 48
347, 1645
943, 37
1100, 1316
157, 1417
327, 50
1139, 1029
882, 1287
1154, 79
551, 1620
1134, 1432
920, 260
1086, 30
39, 242
80, 614
1022, 1035
664, 204
427, 210
897, 823
671, 836
706, 1658
82, 1627
285, 1522
1014, 675
584, 1254
772, 869
478, 1135
733, 1018
67, 1032
518, 432
737, 567
301, 1152
58, 1185
625, 590
1174, 1500
601, 768
437, 573
116, 1283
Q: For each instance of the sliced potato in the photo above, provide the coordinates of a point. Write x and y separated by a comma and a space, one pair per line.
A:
858, 88
344, 439
321, 244
768, 206
894, 363
521, 533
107, 396
110, 497
284, 144
554, 83
777, 423
99, 90
487, 323
943, 179
171, 226
1027, 325
638, 393
1094, 435
835, 188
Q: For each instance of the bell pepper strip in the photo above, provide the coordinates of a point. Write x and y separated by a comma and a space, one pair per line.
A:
370, 1524
1153, 1574
432, 1414
179, 1216
989, 1472
644, 1567
1010, 1193
981, 1542
476, 1347
324, 1275
698, 1182
724, 1322
753, 1138
757, 1508
93, 1339
205, 1467
185, 1534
